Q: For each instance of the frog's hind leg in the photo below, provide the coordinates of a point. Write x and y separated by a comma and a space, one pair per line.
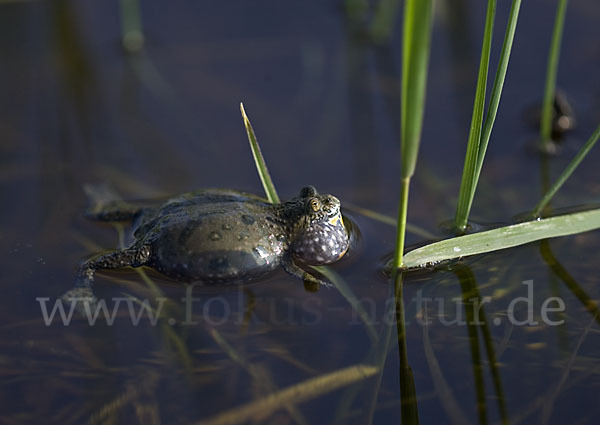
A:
131, 257
105, 204
115, 211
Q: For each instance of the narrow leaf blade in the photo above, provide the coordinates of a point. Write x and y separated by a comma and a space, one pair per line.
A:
502, 238
259, 160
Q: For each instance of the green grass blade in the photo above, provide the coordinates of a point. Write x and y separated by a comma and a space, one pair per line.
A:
259, 161
415, 58
502, 238
551, 71
401, 229
467, 187
496, 90
585, 149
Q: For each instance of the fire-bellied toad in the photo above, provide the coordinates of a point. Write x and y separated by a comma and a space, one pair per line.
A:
224, 236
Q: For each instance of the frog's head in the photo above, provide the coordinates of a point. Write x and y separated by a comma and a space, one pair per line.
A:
320, 236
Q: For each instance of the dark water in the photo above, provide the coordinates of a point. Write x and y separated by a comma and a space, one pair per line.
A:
76, 109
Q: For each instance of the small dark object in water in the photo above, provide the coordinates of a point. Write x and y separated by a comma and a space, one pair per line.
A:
563, 116
223, 236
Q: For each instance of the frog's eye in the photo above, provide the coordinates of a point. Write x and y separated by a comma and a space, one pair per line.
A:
315, 205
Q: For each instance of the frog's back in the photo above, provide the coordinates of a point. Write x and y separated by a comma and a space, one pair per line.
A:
215, 196
215, 237
188, 205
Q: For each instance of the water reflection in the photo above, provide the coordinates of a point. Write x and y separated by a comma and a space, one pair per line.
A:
477, 320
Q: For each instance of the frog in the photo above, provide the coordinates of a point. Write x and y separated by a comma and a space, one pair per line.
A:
222, 236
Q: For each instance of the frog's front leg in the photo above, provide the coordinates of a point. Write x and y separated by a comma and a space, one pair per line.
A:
295, 270
132, 257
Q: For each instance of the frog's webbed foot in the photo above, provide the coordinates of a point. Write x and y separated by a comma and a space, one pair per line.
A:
295, 270
81, 296
82, 292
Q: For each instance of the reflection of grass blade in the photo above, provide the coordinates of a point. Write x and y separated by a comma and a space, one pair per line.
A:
467, 284
259, 161
408, 392
376, 355
504, 237
474, 305
551, 70
588, 302
380, 353
491, 355
298, 393
348, 294
585, 149
449, 402
488, 344
562, 334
